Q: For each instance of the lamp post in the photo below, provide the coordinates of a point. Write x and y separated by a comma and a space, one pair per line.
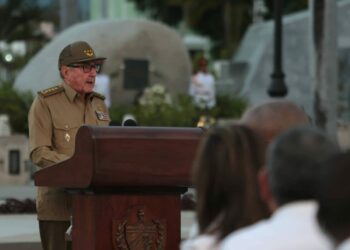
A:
277, 87
7, 60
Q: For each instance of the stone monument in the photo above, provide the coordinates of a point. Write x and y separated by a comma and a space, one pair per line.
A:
168, 62
254, 58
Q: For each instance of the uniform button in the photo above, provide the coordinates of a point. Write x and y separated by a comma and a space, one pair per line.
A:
66, 126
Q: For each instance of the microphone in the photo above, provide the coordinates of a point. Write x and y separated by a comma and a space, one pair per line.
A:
129, 120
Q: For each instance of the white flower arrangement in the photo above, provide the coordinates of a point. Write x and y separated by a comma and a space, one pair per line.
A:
155, 95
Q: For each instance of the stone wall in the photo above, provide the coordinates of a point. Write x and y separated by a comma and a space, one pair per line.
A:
14, 143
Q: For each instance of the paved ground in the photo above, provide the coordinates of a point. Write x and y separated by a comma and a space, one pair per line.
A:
20, 232
22, 228
18, 192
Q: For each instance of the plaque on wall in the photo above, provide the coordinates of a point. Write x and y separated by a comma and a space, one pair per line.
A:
135, 74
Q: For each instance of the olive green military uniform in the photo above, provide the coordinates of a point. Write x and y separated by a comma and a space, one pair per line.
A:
54, 119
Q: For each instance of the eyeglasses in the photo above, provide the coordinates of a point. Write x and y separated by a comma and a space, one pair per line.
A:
86, 67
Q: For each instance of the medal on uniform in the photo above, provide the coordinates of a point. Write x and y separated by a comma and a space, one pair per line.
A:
102, 116
67, 137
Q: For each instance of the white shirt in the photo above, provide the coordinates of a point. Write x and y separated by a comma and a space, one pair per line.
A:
345, 245
201, 242
202, 89
102, 83
292, 226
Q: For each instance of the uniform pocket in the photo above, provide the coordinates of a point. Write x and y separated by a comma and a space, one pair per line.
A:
64, 136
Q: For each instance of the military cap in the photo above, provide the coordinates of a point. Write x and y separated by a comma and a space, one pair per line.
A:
77, 52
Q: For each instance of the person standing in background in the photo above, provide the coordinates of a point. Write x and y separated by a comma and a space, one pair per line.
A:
102, 85
202, 87
54, 119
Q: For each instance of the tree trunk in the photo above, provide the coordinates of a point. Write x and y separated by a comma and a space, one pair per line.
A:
227, 13
324, 63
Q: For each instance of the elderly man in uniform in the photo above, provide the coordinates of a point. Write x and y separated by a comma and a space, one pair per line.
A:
54, 119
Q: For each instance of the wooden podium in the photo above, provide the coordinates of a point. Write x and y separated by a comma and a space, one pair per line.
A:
126, 184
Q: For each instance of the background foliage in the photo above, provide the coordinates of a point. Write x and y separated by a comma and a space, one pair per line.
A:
224, 21
20, 20
183, 113
16, 105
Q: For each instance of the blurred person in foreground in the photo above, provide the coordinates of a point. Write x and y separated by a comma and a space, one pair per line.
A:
334, 201
268, 120
224, 173
271, 118
54, 119
289, 188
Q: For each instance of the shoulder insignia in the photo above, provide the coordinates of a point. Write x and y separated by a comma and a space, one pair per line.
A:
51, 91
99, 95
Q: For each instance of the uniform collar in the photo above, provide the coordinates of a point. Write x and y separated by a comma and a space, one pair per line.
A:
72, 94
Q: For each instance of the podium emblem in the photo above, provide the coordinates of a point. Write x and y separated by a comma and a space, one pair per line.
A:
142, 235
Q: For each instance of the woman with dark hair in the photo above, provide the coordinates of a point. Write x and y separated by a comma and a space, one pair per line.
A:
225, 177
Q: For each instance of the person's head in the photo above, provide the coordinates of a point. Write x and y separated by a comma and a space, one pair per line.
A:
334, 197
224, 174
78, 66
294, 163
203, 64
273, 117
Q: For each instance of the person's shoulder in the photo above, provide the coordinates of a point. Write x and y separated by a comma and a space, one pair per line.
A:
345, 245
250, 237
203, 242
98, 95
51, 91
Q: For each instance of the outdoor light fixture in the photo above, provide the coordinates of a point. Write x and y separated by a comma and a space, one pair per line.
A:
8, 57
278, 87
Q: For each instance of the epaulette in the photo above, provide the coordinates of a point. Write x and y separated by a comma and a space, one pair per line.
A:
51, 91
98, 95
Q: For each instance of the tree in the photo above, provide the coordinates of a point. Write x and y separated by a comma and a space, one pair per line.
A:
224, 21
20, 21
290, 6
16, 105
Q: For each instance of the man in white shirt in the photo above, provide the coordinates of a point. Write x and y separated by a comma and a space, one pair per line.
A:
202, 87
102, 85
289, 186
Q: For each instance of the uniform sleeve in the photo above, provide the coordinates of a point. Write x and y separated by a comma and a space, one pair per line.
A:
40, 134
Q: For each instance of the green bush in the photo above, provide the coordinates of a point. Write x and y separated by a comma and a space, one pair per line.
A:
180, 114
16, 105
159, 110
228, 107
